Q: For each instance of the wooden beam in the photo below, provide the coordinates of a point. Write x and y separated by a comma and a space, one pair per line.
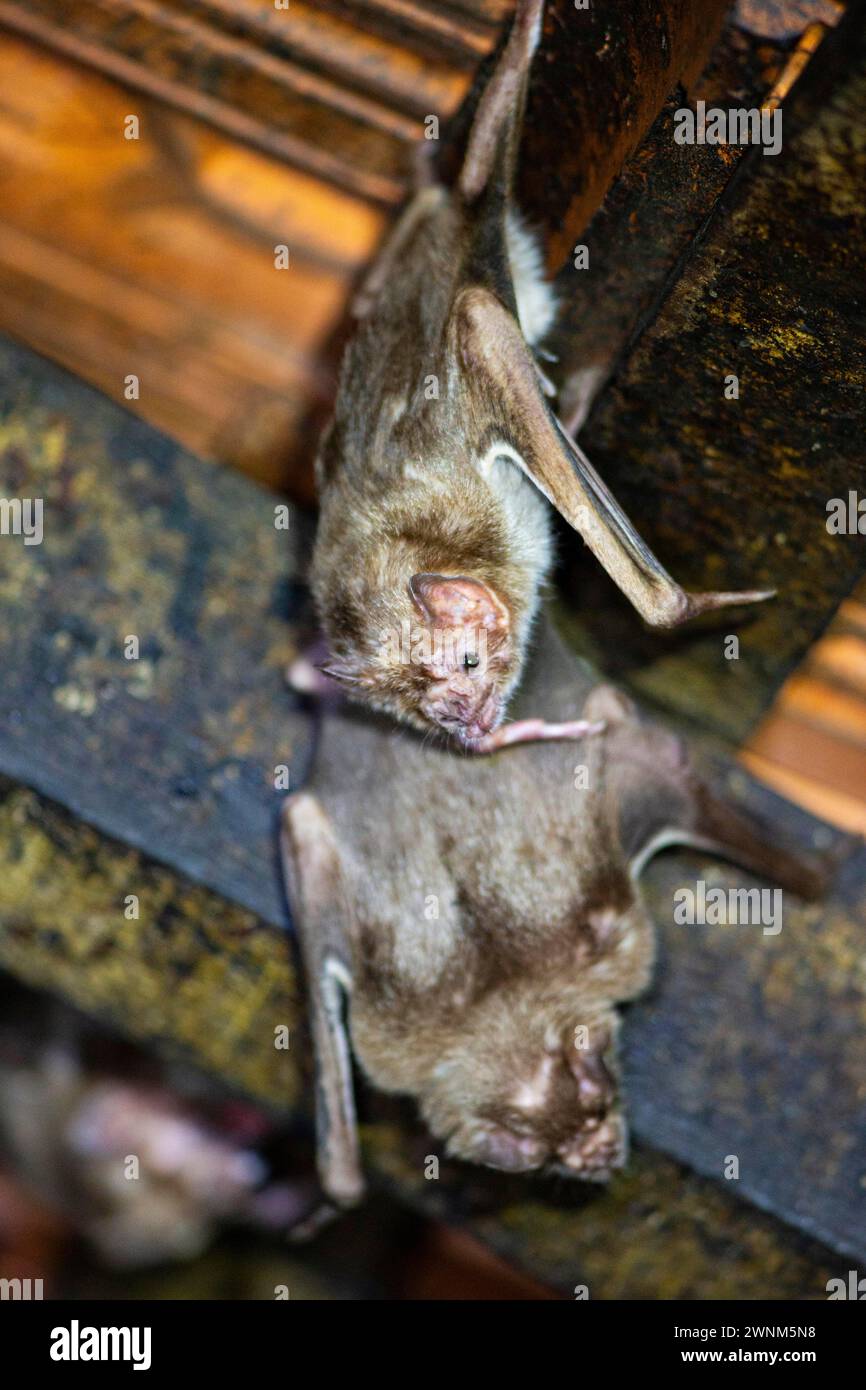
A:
733, 493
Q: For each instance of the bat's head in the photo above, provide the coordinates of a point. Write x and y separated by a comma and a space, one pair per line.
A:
465, 665
436, 652
552, 1105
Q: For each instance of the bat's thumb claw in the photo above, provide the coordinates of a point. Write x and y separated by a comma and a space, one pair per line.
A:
707, 603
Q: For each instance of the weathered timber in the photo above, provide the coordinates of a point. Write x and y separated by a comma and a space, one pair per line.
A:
748, 1045
733, 493
599, 81
177, 751
191, 974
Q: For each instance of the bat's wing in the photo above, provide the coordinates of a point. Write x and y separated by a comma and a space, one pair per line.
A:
741, 838
661, 802
499, 370
314, 885
486, 175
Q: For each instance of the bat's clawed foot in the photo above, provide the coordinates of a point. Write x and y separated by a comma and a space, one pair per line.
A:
544, 381
318, 1219
338, 1199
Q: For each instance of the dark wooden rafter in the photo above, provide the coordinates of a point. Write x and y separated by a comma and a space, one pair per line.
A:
709, 261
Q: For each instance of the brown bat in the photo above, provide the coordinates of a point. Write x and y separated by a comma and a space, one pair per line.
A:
473, 924
434, 535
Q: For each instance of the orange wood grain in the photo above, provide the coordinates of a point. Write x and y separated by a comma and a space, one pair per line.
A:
155, 257
812, 745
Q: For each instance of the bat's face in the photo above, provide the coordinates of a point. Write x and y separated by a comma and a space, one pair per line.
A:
554, 1107
466, 669
440, 657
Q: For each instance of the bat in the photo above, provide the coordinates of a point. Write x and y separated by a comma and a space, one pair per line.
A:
76, 1108
443, 453
469, 927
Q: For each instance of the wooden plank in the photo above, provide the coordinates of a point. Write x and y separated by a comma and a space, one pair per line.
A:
811, 745
114, 256
136, 545
338, 97
748, 1045
116, 250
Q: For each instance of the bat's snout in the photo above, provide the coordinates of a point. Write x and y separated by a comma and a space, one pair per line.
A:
466, 714
597, 1150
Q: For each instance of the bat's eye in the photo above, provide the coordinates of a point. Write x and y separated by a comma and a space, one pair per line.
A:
470, 661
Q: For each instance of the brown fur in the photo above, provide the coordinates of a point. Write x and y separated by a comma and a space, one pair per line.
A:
539, 928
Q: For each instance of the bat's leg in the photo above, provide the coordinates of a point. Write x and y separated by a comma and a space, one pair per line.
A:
579, 395
532, 731
321, 915
629, 561
491, 151
498, 362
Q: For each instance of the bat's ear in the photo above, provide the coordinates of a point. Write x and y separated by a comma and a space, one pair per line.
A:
339, 670
457, 601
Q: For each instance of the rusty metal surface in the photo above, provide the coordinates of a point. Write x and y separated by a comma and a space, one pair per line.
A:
748, 1045
193, 975
657, 1232
639, 241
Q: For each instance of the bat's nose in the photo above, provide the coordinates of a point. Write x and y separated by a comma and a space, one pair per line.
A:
599, 1147
483, 718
